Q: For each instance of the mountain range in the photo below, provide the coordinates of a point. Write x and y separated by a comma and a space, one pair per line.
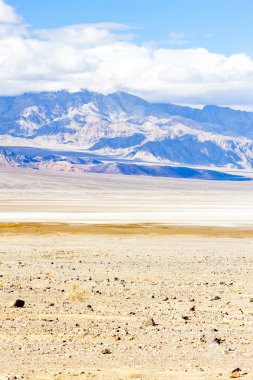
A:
122, 133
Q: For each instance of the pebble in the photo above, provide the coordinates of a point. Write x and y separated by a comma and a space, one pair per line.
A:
216, 298
18, 303
151, 322
235, 373
106, 351
218, 340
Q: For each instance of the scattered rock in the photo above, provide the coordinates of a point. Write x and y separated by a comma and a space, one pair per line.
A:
106, 351
235, 373
229, 350
251, 299
218, 340
151, 322
216, 298
214, 330
18, 303
193, 308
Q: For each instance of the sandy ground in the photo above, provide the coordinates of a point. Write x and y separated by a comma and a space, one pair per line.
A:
87, 293
124, 301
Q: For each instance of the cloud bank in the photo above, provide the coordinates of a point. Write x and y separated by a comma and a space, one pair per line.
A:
103, 57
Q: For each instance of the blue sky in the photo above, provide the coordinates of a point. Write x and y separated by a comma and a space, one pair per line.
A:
192, 52
223, 26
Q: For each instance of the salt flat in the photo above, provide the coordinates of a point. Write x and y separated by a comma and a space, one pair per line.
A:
95, 198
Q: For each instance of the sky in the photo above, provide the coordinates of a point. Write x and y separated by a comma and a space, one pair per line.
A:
183, 51
223, 26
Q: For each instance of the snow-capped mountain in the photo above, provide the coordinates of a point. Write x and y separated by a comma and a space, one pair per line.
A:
121, 126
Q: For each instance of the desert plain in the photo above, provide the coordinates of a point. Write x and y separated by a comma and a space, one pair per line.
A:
125, 277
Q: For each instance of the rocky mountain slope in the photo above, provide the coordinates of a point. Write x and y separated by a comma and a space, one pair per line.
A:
121, 127
79, 164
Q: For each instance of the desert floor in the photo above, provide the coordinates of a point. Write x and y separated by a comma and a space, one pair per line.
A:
112, 301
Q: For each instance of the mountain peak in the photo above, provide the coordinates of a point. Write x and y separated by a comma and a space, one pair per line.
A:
121, 126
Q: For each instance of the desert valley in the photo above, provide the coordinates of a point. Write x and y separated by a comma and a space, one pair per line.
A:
125, 277
126, 190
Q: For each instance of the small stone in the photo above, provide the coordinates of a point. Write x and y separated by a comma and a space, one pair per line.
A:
106, 351
193, 308
151, 322
251, 299
18, 303
216, 298
214, 330
235, 373
218, 340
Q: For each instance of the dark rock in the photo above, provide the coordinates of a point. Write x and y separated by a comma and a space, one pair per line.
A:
216, 298
218, 340
19, 303
106, 351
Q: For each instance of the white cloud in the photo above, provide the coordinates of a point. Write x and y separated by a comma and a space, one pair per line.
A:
8, 14
10, 22
85, 34
103, 58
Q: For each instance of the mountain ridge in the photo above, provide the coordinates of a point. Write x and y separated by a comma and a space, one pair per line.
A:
124, 126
